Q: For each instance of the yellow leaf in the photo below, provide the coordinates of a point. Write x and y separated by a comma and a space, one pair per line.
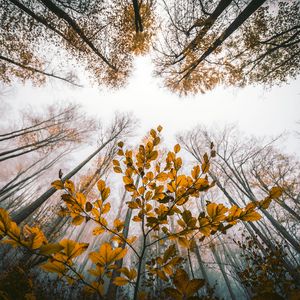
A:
156, 141
183, 242
117, 169
195, 172
101, 185
58, 184
275, 192
70, 186
153, 133
251, 216
116, 163
49, 249
132, 205
193, 286
80, 199
118, 224
162, 177
127, 180
136, 219
120, 281
107, 255
159, 128
205, 167
105, 193
105, 208
98, 230
265, 203
153, 155
54, 267
77, 220
180, 280
176, 148
35, 237
72, 248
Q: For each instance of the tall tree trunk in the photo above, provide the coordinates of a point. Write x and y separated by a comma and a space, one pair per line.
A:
244, 15
223, 271
23, 214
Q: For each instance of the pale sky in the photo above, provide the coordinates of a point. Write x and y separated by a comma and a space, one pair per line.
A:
256, 110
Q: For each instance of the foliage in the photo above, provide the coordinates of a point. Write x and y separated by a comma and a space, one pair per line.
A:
264, 273
160, 195
198, 45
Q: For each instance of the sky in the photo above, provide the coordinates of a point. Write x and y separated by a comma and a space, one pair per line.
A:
255, 110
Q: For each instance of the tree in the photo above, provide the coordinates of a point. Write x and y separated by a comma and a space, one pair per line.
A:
161, 194
91, 33
205, 48
120, 126
232, 172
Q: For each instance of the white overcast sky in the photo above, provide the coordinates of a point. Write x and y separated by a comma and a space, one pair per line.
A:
256, 110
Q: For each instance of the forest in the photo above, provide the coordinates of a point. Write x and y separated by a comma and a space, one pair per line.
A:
92, 206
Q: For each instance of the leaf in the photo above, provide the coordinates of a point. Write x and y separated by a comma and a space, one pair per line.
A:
78, 220
5, 221
80, 199
127, 180
180, 280
49, 249
205, 167
105, 208
159, 128
183, 242
173, 293
107, 255
177, 148
193, 286
171, 251
132, 204
54, 267
118, 224
195, 172
105, 193
101, 185
136, 219
120, 144
72, 248
275, 192
98, 230
70, 186
120, 281
35, 236
88, 206
58, 184
252, 216
117, 169
266, 203
162, 176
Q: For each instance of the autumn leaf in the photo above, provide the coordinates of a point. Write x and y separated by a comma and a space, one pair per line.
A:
251, 216
54, 267
275, 192
58, 184
106, 255
120, 281
70, 186
49, 249
78, 220
98, 230
72, 248
193, 286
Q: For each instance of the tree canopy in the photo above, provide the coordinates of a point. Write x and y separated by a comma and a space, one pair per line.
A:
195, 45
